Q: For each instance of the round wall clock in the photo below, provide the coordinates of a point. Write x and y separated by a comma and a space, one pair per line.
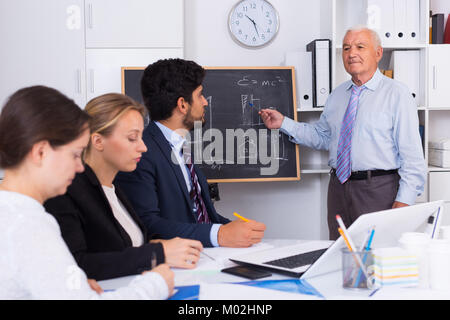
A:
253, 23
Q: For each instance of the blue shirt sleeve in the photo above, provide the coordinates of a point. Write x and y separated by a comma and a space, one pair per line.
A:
316, 135
413, 169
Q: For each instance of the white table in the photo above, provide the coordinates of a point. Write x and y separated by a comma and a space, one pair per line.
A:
328, 285
206, 271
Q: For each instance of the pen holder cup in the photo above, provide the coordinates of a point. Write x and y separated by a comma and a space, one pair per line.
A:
357, 269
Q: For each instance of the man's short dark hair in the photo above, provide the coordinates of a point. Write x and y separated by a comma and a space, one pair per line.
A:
165, 81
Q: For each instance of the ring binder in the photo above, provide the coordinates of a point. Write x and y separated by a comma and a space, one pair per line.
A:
321, 70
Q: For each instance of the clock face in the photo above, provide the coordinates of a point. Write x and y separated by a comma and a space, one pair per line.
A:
253, 23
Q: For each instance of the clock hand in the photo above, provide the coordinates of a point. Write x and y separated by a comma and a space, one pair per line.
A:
254, 24
250, 19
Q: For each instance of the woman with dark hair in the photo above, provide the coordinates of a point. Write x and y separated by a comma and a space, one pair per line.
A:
42, 138
100, 227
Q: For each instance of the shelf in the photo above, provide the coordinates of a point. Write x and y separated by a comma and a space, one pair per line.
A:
310, 110
438, 108
314, 168
320, 168
437, 169
399, 47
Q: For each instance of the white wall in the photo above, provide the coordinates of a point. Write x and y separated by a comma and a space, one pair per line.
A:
289, 209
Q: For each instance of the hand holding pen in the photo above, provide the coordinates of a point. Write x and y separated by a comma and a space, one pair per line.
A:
241, 233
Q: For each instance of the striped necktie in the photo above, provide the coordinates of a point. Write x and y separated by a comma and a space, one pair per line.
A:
195, 194
343, 161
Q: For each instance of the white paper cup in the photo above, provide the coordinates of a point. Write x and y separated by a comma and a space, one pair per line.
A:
416, 243
439, 264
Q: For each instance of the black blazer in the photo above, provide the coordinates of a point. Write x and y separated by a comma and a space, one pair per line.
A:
99, 244
158, 192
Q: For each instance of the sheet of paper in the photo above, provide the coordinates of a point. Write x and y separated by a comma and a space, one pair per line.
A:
209, 266
225, 253
227, 291
218, 258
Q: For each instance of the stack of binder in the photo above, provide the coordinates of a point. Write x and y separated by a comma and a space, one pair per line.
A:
321, 70
439, 35
302, 63
396, 21
437, 28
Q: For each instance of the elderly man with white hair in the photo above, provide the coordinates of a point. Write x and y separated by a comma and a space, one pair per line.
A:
370, 127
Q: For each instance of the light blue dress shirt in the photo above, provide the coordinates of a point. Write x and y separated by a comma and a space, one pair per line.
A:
385, 135
176, 143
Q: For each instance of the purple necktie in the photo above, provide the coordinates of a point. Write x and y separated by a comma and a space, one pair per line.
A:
343, 161
195, 194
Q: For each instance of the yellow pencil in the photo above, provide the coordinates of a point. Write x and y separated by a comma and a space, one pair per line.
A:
345, 239
241, 217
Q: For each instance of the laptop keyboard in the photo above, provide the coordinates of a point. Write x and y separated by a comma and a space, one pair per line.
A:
298, 260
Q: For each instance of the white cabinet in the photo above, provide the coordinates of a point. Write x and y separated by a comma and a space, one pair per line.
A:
79, 46
134, 23
438, 76
103, 66
131, 33
439, 185
42, 42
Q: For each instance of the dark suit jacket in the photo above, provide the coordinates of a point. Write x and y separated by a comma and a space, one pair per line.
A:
99, 244
158, 192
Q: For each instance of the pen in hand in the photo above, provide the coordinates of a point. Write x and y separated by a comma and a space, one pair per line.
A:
207, 255
241, 217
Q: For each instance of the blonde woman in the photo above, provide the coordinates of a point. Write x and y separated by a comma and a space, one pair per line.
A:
101, 228
42, 137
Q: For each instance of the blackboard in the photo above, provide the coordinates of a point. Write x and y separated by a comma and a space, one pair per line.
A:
234, 145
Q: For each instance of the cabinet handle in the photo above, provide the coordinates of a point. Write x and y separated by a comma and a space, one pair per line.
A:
89, 16
434, 78
91, 80
78, 81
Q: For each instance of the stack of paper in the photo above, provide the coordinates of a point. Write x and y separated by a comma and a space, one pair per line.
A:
439, 153
395, 267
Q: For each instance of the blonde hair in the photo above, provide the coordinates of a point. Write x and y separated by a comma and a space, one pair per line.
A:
106, 110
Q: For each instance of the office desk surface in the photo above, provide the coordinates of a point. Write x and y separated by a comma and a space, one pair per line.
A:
328, 285
208, 271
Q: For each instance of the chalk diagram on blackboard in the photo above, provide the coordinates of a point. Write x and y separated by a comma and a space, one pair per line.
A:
250, 117
250, 110
248, 149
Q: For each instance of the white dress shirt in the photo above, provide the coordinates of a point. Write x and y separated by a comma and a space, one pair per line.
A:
123, 217
176, 143
35, 262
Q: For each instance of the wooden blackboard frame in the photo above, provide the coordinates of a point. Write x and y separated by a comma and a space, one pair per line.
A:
294, 103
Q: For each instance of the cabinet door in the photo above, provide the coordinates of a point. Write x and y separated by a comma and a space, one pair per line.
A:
439, 185
103, 66
134, 23
42, 43
439, 76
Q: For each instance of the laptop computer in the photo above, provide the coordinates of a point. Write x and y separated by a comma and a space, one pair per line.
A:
314, 258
